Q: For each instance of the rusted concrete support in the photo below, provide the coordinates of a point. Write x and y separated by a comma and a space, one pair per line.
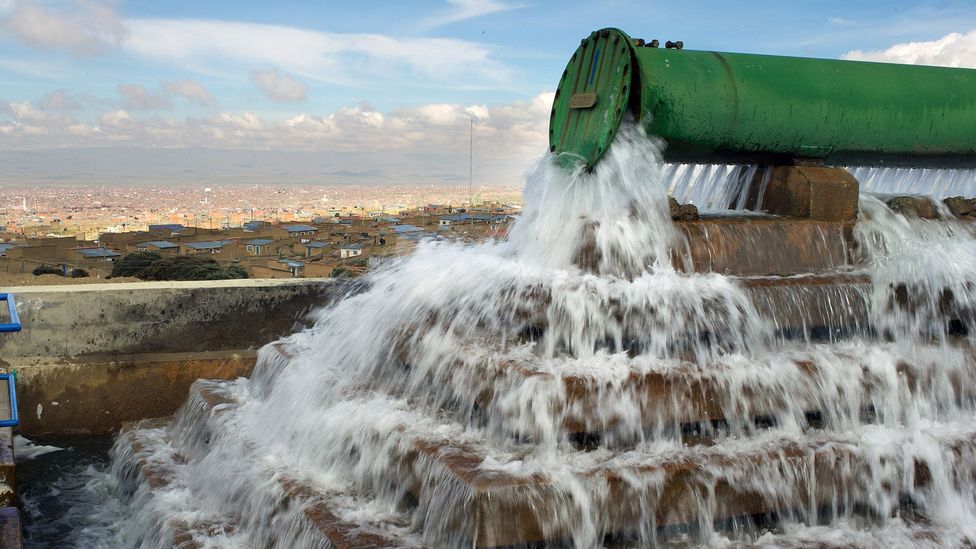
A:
96, 394
749, 246
814, 192
8, 469
10, 529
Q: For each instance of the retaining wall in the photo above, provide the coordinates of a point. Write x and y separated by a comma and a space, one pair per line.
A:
93, 356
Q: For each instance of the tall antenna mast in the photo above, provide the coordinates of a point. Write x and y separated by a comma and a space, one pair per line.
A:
471, 164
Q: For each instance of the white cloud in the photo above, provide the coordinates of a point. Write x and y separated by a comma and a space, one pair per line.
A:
118, 120
192, 90
461, 10
952, 50
26, 112
243, 122
506, 137
85, 27
279, 87
222, 47
228, 48
138, 98
62, 100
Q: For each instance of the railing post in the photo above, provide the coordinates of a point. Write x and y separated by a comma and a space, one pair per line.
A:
12, 326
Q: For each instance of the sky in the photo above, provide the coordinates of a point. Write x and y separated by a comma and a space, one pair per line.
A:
373, 92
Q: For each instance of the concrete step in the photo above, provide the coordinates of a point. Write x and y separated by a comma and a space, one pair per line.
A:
820, 307
320, 510
693, 403
149, 465
481, 506
813, 307
810, 387
767, 245
199, 420
200, 416
463, 499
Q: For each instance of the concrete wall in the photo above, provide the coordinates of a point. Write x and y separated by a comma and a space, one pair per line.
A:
93, 356
161, 317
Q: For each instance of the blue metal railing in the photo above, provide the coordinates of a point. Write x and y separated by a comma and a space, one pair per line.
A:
11, 378
14, 324
12, 390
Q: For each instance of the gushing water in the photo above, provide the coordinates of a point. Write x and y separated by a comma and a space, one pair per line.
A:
713, 187
937, 183
578, 384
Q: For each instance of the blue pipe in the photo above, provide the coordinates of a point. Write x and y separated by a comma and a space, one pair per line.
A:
14, 324
12, 390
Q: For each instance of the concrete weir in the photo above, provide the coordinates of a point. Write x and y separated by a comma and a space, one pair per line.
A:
684, 443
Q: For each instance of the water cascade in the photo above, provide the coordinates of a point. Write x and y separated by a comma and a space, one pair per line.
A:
585, 383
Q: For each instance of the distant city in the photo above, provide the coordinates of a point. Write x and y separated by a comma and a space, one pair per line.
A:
93, 234
87, 211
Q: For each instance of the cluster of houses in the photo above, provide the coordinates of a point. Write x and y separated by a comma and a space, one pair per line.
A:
269, 250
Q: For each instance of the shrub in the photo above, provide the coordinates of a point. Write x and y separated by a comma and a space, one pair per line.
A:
235, 271
135, 264
78, 273
48, 270
183, 267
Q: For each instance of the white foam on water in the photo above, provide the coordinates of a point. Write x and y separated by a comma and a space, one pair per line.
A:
25, 449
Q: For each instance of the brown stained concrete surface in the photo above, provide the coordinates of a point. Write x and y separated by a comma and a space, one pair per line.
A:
10, 531
753, 245
95, 394
159, 478
317, 507
506, 508
341, 534
8, 469
688, 395
162, 317
814, 192
809, 303
28, 279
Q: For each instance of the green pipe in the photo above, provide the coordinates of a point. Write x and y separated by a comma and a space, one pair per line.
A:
728, 107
